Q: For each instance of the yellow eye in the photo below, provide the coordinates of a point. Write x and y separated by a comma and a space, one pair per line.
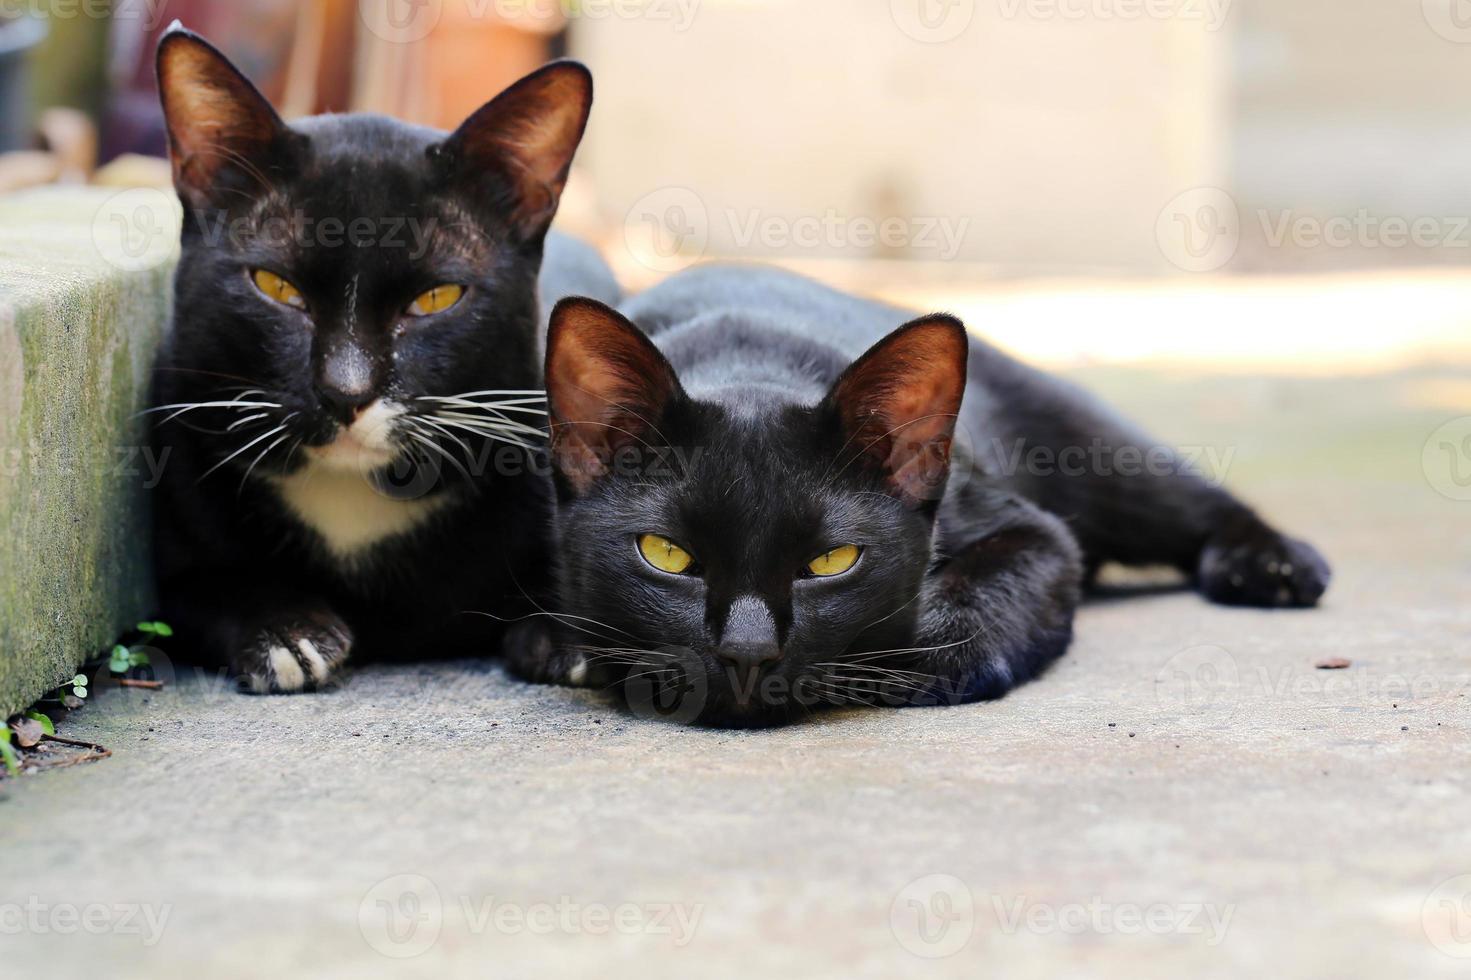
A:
834, 562
278, 289
436, 300
664, 554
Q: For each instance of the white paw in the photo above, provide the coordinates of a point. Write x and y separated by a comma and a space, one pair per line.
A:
284, 661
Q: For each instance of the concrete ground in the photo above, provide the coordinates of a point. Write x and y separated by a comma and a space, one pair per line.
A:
1184, 795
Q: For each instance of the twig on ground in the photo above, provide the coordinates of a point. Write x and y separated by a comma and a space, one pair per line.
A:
79, 744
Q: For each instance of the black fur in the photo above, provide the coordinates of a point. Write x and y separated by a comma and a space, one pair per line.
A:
239, 572
726, 441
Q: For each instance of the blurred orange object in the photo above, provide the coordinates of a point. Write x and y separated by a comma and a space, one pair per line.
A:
471, 52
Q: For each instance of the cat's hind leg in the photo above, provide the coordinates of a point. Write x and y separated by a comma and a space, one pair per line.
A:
1131, 499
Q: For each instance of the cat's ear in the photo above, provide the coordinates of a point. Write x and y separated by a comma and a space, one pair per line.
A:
518, 147
897, 405
608, 387
223, 134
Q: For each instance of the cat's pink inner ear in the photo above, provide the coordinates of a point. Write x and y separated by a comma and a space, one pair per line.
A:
215, 117
899, 404
607, 387
529, 134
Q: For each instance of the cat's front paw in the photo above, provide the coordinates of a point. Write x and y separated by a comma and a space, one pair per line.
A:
1262, 567
298, 654
532, 655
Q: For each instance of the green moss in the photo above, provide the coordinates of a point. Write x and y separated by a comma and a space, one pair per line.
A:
74, 541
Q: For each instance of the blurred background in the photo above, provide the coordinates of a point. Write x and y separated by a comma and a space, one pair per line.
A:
1265, 185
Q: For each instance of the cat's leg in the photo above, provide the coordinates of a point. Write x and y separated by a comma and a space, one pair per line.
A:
996, 610
274, 640
1131, 499
534, 651
1173, 516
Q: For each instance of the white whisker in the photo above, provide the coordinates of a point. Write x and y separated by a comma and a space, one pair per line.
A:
505, 423
525, 394
447, 434
254, 442
263, 453
431, 444
249, 418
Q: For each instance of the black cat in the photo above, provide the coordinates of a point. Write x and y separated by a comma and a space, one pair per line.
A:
753, 523
349, 396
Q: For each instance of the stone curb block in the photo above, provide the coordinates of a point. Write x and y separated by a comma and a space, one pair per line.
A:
84, 299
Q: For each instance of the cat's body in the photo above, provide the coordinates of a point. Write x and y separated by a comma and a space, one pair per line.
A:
1010, 408
403, 572
350, 393
765, 475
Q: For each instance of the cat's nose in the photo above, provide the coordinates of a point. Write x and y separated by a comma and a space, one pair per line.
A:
749, 642
748, 658
346, 383
345, 403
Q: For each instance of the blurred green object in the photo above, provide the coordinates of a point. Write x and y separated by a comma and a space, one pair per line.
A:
70, 67
18, 37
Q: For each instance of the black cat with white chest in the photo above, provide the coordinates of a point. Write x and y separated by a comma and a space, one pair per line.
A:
769, 502
350, 391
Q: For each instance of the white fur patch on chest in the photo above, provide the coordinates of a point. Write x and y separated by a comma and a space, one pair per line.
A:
346, 511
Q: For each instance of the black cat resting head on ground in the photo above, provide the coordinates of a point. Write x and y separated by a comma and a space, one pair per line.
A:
757, 517
755, 548
355, 350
